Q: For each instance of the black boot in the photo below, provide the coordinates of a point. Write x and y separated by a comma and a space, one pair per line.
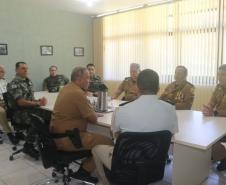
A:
83, 175
20, 136
222, 165
1, 140
30, 150
12, 138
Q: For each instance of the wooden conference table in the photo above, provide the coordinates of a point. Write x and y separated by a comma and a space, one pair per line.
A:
192, 144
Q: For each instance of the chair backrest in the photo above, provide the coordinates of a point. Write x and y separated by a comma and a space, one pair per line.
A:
9, 111
46, 144
139, 158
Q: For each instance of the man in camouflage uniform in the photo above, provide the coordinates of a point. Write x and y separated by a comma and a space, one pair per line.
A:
95, 80
54, 82
180, 92
21, 101
129, 85
217, 107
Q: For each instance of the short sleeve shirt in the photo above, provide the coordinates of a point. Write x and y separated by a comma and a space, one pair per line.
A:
19, 88
129, 87
145, 114
53, 84
218, 99
182, 94
94, 84
71, 110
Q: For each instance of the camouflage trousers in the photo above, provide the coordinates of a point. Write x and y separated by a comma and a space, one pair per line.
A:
23, 117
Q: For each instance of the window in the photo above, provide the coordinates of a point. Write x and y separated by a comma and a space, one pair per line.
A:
186, 32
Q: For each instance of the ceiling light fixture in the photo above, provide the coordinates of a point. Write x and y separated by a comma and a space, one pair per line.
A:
89, 3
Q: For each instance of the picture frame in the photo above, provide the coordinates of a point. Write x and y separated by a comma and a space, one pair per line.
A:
46, 50
3, 49
78, 51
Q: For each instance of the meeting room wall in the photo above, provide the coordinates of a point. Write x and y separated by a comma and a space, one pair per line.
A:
26, 26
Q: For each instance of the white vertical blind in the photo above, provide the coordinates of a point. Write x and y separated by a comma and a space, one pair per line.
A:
185, 32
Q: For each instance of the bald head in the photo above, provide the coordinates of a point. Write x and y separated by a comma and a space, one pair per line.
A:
80, 76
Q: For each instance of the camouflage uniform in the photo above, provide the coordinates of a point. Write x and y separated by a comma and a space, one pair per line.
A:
94, 84
17, 89
53, 83
130, 88
180, 95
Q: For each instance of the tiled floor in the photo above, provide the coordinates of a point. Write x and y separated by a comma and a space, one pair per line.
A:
25, 171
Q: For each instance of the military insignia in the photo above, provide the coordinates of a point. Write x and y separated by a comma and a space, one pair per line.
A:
13, 86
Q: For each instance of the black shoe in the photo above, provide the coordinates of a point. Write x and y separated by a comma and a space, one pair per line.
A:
13, 139
20, 136
30, 150
222, 165
83, 175
1, 140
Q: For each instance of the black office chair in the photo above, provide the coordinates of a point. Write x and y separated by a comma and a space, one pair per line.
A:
18, 127
139, 158
51, 157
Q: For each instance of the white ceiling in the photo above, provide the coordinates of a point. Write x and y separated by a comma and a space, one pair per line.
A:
101, 6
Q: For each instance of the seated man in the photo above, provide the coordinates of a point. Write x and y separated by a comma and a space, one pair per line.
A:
129, 85
21, 101
217, 107
3, 118
179, 93
95, 80
72, 110
131, 117
54, 82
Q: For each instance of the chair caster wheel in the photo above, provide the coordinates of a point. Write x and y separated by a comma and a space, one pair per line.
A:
11, 158
54, 174
14, 148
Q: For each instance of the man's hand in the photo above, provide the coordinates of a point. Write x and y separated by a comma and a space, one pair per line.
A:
207, 110
99, 114
43, 101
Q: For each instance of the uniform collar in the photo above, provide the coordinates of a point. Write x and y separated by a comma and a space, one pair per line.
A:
20, 78
53, 76
77, 87
149, 96
181, 83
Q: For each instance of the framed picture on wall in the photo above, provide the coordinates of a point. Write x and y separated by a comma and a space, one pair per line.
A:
3, 49
46, 50
78, 51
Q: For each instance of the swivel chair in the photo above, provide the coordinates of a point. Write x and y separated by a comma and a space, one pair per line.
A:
51, 157
18, 127
139, 158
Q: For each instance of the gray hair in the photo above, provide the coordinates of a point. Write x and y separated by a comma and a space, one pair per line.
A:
135, 65
77, 72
